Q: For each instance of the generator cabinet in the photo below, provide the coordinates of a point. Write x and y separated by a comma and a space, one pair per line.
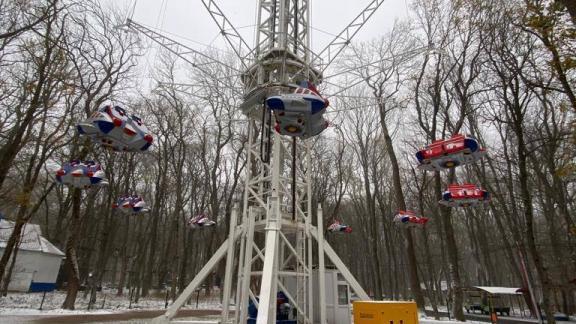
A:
385, 312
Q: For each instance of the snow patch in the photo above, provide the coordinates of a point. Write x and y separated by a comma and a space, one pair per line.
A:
29, 311
106, 303
427, 320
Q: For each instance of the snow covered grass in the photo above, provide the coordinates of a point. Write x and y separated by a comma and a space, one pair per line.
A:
440, 308
515, 312
427, 320
106, 302
28, 311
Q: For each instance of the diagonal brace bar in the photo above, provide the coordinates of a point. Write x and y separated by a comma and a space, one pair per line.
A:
204, 272
354, 284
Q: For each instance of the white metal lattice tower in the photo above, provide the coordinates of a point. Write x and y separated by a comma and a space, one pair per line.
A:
273, 246
277, 201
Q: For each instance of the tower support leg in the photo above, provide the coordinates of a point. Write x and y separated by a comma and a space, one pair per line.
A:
204, 272
229, 265
354, 284
321, 269
268, 287
246, 271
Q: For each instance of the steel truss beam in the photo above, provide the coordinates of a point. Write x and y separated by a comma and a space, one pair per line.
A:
331, 51
283, 25
190, 89
194, 57
245, 233
234, 39
226, 248
285, 261
275, 239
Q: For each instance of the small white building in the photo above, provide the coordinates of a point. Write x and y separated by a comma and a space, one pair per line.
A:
37, 263
338, 310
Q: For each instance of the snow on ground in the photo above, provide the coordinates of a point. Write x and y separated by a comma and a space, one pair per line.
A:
440, 308
28, 311
427, 320
515, 312
106, 302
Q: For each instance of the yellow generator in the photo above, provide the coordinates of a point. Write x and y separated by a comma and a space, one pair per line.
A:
385, 312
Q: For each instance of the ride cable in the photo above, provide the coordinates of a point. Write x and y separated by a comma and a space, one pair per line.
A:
266, 135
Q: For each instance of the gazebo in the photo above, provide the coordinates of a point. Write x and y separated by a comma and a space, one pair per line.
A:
490, 300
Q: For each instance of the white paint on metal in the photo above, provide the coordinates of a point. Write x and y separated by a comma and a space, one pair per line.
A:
343, 269
280, 56
245, 291
229, 265
187, 293
321, 268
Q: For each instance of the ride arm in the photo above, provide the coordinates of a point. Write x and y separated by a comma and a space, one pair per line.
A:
196, 58
234, 39
331, 51
401, 57
195, 90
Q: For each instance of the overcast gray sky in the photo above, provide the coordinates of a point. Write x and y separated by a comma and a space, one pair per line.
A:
190, 20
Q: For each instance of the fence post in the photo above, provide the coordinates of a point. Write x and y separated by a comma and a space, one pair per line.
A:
42, 302
166, 300
130, 295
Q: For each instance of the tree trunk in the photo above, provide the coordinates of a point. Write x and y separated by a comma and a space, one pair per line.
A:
152, 242
8, 276
125, 258
71, 261
10, 245
10, 150
526, 197
401, 205
453, 264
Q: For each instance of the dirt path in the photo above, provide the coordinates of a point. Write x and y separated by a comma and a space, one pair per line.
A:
91, 318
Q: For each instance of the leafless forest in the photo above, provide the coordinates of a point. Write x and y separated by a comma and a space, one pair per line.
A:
501, 71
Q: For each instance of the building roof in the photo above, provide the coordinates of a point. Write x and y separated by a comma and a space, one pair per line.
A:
32, 239
443, 286
500, 290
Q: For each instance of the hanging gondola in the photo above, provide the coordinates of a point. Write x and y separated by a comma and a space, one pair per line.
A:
464, 195
112, 127
446, 154
131, 204
409, 218
300, 113
200, 221
81, 174
337, 227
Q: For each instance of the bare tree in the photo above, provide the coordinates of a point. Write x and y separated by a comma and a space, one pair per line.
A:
384, 79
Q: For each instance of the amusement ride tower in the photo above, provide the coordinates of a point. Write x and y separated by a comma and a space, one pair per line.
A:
272, 245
